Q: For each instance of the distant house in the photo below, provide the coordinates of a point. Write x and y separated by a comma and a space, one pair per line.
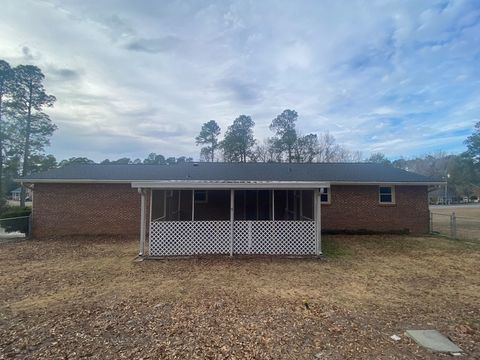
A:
15, 194
228, 208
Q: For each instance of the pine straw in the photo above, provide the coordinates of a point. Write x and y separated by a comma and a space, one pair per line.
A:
79, 297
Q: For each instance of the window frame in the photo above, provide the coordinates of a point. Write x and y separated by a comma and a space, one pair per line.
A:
325, 191
392, 194
195, 192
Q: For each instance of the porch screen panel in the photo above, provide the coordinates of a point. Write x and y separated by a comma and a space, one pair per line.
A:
171, 205
307, 205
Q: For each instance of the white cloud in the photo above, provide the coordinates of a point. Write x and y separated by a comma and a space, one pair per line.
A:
135, 77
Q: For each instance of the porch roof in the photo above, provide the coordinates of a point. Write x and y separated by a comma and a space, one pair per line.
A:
232, 173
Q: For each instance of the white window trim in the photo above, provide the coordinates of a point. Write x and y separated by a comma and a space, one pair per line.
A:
392, 187
329, 196
201, 201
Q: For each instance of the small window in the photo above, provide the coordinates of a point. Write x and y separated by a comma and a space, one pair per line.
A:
201, 196
386, 195
325, 195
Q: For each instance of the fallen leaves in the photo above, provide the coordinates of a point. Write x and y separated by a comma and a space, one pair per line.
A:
87, 299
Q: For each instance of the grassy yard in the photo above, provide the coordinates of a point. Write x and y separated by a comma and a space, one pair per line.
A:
78, 297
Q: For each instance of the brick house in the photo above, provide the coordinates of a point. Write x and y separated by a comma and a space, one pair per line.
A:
228, 208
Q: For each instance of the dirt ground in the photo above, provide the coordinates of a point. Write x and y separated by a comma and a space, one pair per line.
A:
86, 298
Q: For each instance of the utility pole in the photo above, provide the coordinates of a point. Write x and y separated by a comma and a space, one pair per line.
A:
446, 189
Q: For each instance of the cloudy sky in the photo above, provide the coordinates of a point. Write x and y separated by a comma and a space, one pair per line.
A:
134, 77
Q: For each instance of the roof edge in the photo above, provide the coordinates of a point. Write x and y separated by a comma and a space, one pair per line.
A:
143, 183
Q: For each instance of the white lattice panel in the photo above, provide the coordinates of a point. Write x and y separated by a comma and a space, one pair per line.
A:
274, 237
169, 238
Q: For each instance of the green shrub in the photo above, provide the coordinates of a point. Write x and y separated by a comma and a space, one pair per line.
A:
19, 219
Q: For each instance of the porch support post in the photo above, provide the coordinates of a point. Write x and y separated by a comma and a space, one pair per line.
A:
301, 205
142, 222
273, 205
193, 205
232, 215
318, 223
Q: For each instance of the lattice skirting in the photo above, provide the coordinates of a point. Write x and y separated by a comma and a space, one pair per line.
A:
174, 238
274, 237
189, 237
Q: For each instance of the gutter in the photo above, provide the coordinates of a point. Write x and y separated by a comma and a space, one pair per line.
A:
388, 183
188, 184
142, 183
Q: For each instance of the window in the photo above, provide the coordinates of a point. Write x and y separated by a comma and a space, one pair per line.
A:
325, 195
386, 194
201, 196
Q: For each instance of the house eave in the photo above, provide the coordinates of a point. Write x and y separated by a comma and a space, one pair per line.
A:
71, 181
398, 183
240, 184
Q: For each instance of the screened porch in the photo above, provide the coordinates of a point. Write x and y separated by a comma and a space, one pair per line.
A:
231, 222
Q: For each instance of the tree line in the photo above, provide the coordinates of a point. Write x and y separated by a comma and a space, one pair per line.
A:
286, 144
460, 171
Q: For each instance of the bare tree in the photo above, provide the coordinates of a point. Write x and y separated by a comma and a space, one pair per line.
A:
267, 151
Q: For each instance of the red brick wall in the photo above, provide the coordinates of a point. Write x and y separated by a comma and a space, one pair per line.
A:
68, 209
357, 207
71, 209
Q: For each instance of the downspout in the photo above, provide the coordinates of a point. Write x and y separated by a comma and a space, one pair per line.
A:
142, 222
232, 218
318, 223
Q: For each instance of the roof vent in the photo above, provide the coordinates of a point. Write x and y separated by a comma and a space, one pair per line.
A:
196, 164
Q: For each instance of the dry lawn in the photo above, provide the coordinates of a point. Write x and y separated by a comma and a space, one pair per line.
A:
86, 298
467, 218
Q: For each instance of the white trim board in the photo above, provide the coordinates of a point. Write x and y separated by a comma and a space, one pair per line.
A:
188, 184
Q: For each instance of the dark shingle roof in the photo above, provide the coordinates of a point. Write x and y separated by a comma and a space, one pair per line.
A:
332, 172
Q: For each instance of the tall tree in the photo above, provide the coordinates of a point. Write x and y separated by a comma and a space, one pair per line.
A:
42, 162
34, 126
473, 145
239, 140
306, 148
285, 133
463, 178
6, 80
208, 136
